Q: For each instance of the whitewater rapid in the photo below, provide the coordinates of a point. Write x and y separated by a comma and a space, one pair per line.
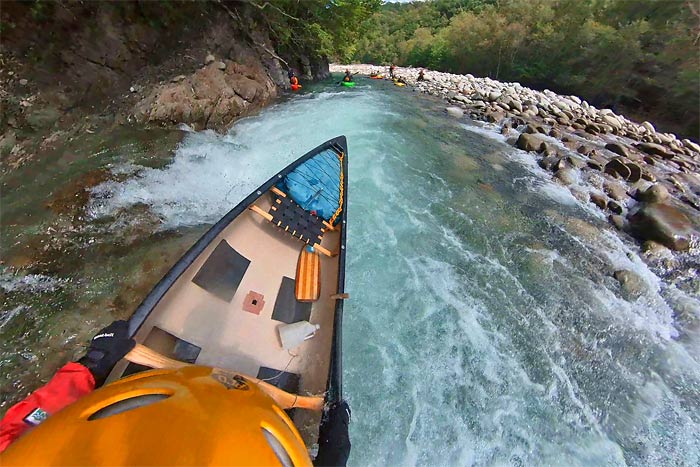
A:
484, 327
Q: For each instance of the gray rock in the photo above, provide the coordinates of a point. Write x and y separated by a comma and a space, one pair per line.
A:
493, 96
23, 82
662, 223
554, 133
617, 148
221, 66
209, 59
455, 112
631, 284
178, 78
656, 193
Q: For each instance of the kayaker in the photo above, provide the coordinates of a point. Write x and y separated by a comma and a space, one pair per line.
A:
421, 75
391, 70
294, 81
348, 76
76, 380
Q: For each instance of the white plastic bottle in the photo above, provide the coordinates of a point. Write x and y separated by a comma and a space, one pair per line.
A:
292, 335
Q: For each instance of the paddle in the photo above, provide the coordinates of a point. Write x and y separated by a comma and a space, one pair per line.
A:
142, 355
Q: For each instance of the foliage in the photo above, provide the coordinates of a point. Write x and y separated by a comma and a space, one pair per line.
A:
322, 27
639, 55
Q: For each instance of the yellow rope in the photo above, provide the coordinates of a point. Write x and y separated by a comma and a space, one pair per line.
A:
340, 204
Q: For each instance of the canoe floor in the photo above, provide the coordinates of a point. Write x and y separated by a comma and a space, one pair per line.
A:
234, 339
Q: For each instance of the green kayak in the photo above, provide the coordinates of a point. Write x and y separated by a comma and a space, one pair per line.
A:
349, 84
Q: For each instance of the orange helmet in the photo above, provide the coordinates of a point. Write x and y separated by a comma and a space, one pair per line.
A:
191, 416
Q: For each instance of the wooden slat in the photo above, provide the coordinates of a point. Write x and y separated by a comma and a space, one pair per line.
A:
308, 279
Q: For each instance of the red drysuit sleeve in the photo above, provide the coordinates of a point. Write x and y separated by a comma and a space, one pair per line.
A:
68, 385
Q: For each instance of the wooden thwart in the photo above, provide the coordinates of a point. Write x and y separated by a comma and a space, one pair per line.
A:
308, 279
142, 355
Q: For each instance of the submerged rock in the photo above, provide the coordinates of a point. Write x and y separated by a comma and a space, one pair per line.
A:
632, 285
662, 223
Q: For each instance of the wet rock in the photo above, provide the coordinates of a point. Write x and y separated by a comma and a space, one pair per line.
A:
662, 223
210, 98
655, 249
548, 162
657, 193
455, 112
631, 284
529, 142
655, 149
615, 190
617, 221
495, 116
635, 172
615, 207
617, 168
585, 150
599, 200
554, 133
617, 149
576, 162
566, 176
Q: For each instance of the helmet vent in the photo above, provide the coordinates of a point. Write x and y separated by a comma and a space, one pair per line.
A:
127, 404
278, 448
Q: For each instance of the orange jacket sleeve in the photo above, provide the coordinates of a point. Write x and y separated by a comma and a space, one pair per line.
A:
68, 385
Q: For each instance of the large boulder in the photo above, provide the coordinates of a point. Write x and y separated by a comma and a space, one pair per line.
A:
528, 142
211, 98
662, 223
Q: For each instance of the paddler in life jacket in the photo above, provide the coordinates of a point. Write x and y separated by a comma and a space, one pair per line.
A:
189, 416
348, 76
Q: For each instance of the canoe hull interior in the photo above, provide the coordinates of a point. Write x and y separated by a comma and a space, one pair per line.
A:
221, 305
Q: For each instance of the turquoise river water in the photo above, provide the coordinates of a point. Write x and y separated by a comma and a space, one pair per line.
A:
484, 325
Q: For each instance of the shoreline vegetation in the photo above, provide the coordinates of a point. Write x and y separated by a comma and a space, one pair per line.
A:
639, 58
645, 181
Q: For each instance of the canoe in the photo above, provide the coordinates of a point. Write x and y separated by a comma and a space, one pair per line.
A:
349, 84
275, 259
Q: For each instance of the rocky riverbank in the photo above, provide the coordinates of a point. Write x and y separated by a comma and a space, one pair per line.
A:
647, 182
71, 69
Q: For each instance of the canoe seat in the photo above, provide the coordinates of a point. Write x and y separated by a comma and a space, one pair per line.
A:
296, 221
308, 280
